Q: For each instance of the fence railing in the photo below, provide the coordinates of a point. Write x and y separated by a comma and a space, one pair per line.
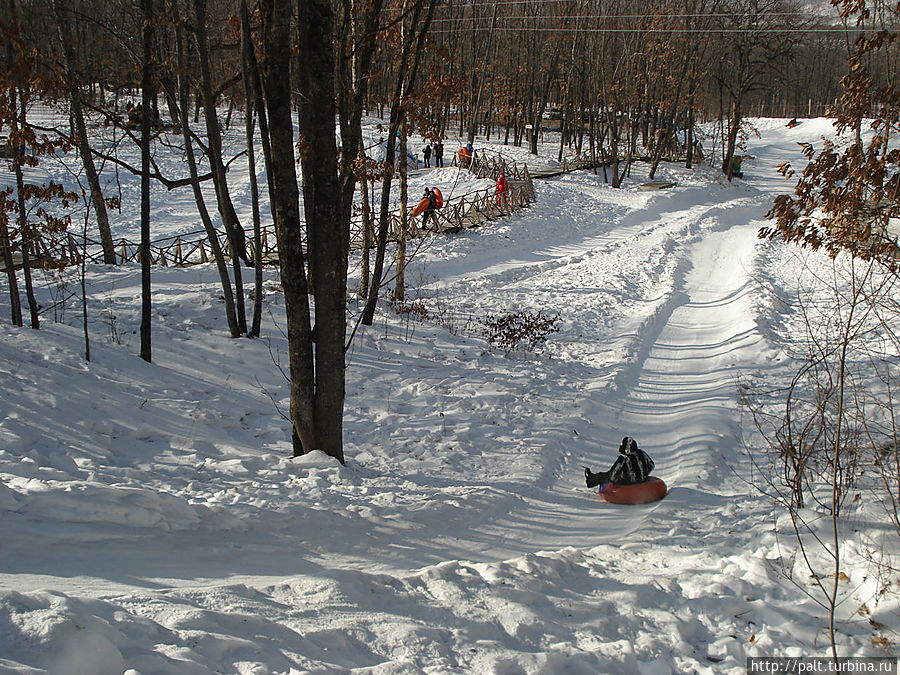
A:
193, 248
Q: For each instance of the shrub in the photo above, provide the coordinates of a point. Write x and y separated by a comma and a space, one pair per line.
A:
519, 329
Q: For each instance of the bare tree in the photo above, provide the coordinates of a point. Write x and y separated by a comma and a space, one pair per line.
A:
64, 25
218, 255
147, 95
759, 38
411, 51
233, 229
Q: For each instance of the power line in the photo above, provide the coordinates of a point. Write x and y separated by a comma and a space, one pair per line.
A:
490, 5
644, 29
634, 16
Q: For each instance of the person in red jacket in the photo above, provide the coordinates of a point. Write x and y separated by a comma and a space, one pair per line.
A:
502, 189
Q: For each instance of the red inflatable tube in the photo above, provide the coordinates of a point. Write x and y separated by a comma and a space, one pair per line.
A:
651, 490
423, 204
420, 207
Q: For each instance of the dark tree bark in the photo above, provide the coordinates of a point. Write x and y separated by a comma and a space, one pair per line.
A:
26, 233
15, 300
146, 98
247, 66
233, 228
64, 28
218, 255
276, 17
327, 232
400, 280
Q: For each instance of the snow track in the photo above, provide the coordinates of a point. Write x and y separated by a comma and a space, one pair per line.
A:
684, 397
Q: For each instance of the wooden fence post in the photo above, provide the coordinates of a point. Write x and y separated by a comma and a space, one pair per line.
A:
529, 186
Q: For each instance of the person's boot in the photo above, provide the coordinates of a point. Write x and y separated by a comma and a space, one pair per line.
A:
595, 479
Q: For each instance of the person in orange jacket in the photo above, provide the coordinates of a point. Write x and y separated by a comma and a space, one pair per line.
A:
502, 189
464, 156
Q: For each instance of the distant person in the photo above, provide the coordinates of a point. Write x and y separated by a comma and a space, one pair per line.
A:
502, 189
438, 150
464, 156
134, 114
429, 212
426, 155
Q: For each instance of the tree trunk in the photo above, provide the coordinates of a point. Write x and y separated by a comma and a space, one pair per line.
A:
15, 301
250, 126
689, 136
277, 44
233, 228
328, 232
146, 97
734, 127
218, 255
25, 232
63, 27
367, 238
406, 76
400, 281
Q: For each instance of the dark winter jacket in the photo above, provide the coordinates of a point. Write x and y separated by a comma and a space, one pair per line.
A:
633, 465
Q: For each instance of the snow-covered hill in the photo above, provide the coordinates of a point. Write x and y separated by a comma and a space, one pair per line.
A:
153, 522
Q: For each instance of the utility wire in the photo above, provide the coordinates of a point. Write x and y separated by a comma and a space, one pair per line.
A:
644, 29
519, 17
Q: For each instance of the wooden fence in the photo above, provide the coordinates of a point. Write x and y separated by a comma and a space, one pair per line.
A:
465, 211
489, 165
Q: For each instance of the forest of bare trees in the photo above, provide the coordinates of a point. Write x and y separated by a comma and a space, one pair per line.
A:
622, 81
486, 68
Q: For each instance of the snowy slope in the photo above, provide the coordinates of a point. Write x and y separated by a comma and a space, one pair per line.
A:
152, 521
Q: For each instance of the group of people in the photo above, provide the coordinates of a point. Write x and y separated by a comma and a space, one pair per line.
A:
436, 149
465, 156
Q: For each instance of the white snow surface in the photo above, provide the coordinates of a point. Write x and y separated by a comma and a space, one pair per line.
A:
152, 520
